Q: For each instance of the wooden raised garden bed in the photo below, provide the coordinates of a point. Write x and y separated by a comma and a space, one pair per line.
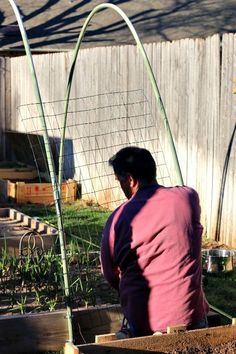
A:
17, 171
48, 331
37, 193
19, 231
218, 340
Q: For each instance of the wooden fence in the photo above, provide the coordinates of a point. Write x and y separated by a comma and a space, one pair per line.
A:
114, 106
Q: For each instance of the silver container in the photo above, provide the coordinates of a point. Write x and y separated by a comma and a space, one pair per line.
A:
217, 260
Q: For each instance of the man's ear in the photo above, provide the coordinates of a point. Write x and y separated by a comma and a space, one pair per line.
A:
133, 182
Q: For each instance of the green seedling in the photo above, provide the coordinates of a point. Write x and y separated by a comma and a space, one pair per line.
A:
51, 304
22, 304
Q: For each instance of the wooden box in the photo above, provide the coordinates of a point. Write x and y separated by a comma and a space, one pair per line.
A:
36, 193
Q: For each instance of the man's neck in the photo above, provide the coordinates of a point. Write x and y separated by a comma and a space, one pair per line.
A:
145, 184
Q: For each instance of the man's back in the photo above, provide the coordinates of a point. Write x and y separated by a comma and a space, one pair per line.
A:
155, 240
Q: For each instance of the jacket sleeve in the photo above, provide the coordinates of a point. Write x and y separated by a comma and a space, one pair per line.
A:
109, 269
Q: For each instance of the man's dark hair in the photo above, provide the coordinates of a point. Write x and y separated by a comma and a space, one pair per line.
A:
134, 161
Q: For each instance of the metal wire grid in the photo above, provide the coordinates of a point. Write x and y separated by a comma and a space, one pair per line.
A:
97, 127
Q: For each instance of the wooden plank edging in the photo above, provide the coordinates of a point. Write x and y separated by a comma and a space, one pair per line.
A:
48, 331
70, 348
202, 339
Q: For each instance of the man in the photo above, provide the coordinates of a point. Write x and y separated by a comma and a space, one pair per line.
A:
151, 248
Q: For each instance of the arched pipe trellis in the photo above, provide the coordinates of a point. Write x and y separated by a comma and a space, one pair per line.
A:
51, 167
151, 78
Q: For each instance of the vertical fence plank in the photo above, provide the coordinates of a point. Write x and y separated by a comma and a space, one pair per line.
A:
4, 101
226, 128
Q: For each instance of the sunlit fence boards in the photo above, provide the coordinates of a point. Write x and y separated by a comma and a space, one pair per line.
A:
195, 78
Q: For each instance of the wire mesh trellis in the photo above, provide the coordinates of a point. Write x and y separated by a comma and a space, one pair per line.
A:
97, 127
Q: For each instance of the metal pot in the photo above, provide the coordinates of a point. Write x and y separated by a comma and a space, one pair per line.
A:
217, 260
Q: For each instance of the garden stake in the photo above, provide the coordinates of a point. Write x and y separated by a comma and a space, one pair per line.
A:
221, 312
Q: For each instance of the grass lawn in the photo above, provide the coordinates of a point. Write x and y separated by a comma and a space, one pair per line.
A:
82, 222
220, 291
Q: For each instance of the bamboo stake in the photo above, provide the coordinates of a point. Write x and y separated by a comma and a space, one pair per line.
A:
220, 312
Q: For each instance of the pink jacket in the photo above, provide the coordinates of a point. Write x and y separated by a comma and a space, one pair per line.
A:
151, 252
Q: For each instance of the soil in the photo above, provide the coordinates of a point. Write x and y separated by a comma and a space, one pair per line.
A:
219, 340
228, 348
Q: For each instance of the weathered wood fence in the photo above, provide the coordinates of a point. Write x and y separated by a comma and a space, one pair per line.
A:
115, 106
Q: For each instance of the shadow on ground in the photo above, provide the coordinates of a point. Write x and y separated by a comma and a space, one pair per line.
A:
57, 24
